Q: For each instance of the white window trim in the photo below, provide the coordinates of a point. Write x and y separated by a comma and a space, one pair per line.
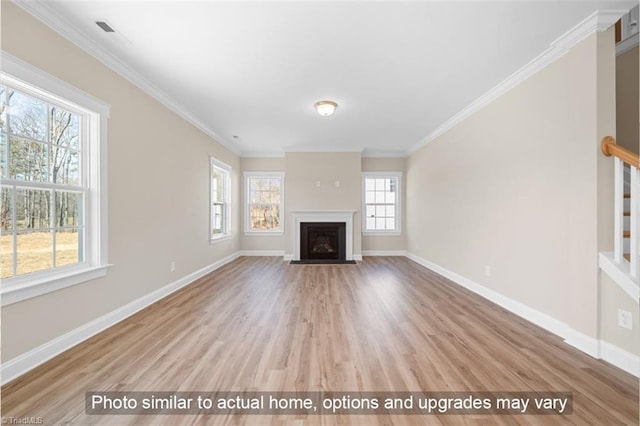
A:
399, 200
247, 219
31, 80
227, 235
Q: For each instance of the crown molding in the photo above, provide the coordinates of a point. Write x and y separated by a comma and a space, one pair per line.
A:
599, 21
375, 153
262, 154
319, 148
54, 20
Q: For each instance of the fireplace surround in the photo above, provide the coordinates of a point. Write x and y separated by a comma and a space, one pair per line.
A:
324, 216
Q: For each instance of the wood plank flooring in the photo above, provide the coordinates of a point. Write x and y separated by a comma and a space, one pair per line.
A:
385, 324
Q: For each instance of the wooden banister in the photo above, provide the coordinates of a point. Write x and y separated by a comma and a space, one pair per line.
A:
609, 147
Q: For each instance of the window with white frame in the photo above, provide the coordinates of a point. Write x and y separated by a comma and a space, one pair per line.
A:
220, 200
264, 197
52, 170
381, 202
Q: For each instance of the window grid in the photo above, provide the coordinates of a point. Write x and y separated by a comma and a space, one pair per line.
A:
37, 200
264, 203
220, 187
381, 202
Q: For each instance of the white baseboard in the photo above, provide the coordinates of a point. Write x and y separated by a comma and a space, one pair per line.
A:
357, 257
384, 253
252, 253
21, 364
538, 318
620, 358
586, 344
593, 347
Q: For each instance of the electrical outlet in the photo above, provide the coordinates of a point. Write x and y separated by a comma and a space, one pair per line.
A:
624, 319
172, 266
487, 270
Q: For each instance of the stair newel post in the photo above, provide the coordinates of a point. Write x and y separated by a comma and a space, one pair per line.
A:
634, 224
618, 210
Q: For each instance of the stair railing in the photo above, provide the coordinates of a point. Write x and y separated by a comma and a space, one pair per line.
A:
623, 156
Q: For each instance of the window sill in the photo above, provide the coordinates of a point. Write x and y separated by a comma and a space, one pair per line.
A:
263, 234
382, 233
219, 239
23, 288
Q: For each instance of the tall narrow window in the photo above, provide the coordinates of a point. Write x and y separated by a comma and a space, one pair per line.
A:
52, 217
220, 206
381, 202
264, 193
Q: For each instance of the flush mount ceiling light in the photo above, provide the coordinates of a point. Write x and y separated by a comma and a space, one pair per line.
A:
325, 108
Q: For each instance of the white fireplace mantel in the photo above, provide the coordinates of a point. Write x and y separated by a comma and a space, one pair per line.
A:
346, 216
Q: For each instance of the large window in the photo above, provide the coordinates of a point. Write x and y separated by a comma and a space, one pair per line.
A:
52, 145
220, 200
264, 193
381, 203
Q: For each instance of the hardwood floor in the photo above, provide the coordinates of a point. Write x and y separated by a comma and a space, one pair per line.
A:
385, 324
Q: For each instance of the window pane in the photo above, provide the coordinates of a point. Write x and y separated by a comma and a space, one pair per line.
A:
28, 117
28, 160
32, 208
380, 224
6, 206
275, 196
254, 184
380, 184
390, 197
370, 197
371, 211
371, 223
217, 185
65, 164
3, 109
35, 251
391, 223
6, 255
4, 167
391, 211
68, 247
263, 196
369, 184
380, 197
68, 209
217, 218
64, 128
380, 211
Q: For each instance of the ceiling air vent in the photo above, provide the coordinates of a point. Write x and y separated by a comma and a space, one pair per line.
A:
105, 27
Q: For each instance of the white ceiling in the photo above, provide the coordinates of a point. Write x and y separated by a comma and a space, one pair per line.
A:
398, 70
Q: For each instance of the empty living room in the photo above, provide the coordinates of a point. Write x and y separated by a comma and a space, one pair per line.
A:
319, 212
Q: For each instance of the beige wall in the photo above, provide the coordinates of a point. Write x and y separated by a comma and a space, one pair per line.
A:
627, 101
515, 187
614, 298
260, 242
386, 243
158, 192
304, 169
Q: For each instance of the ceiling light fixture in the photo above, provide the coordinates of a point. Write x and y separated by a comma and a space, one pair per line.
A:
325, 108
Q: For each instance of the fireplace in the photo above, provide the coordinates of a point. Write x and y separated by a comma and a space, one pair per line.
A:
326, 217
322, 241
